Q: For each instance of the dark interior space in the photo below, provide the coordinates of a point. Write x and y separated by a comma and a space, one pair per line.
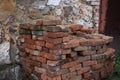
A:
112, 26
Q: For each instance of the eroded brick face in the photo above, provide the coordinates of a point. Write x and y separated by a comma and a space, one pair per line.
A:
59, 54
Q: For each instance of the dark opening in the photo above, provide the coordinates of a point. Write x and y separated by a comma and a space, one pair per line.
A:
112, 26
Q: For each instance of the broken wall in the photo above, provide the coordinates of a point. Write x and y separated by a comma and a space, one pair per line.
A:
16, 12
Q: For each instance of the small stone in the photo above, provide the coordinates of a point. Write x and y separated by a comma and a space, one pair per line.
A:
53, 2
4, 53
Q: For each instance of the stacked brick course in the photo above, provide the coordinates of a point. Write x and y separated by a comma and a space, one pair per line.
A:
51, 51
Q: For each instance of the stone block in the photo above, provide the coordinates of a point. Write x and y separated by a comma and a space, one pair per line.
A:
4, 53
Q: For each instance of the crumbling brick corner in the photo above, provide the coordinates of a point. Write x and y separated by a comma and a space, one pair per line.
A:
51, 51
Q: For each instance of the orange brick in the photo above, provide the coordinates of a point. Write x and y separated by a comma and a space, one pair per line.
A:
30, 41
71, 44
49, 45
69, 65
40, 43
57, 34
75, 27
49, 56
83, 70
40, 37
76, 67
53, 41
22, 54
41, 59
89, 63
66, 39
40, 70
39, 22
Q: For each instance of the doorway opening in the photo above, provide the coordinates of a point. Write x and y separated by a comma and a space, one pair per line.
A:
110, 21
112, 25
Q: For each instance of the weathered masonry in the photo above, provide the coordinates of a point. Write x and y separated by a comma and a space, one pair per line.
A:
38, 36
51, 51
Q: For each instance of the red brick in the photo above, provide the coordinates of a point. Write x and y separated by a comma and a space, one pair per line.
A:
53, 41
95, 42
22, 54
52, 29
34, 52
41, 59
89, 63
66, 51
26, 26
97, 66
88, 53
71, 44
76, 67
44, 77
57, 34
83, 70
38, 47
32, 47
31, 62
56, 51
26, 36
57, 73
83, 59
97, 56
49, 56
27, 69
80, 48
61, 72
39, 22
34, 63
66, 39
27, 50
40, 38
88, 31
75, 27
57, 78
40, 43
69, 65
69, 76
30, 41
97, 75
49, 45
52, 63
109, 53
40, 70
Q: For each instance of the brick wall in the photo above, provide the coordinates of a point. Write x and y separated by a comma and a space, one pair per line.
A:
52, 51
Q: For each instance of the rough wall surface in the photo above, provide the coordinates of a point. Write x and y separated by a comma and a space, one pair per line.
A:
84, 12
12, 15
51, 51
9, 70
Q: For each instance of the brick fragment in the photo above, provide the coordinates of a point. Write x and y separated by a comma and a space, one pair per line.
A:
40, 43
75, 27
89, 63
75, 68
52, 63
83, 70
68, 65
49, 56
57, 34
39, 22
40, 70
71, 44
